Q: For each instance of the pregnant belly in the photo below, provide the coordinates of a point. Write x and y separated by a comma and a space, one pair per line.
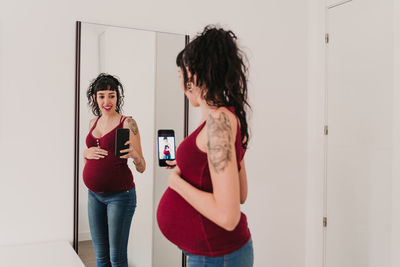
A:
189, 230
180, 222
99, 175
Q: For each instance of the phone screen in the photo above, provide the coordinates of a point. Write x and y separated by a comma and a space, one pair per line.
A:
166, 146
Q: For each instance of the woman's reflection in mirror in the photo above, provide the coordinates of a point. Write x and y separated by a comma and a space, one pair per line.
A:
111, 188
166, 151
200, 210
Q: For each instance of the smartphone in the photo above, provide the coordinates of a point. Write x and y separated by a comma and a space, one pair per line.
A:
166, 146
121, 137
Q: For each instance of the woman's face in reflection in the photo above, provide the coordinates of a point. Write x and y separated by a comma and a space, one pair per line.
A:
192, 95
107, 101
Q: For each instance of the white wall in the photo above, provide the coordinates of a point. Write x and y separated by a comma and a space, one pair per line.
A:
276, 159
37, 84
395, 242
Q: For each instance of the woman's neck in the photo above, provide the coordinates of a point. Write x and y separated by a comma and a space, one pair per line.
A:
206, 110
110, 117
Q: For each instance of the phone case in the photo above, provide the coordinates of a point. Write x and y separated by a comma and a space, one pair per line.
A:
121, 137
171, 147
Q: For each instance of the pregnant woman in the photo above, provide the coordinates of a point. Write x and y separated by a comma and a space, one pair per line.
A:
200, 211
112, 195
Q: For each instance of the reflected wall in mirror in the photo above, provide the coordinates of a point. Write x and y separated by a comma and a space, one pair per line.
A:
144, 62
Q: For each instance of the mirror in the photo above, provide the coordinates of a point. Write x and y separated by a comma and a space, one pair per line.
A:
144, 62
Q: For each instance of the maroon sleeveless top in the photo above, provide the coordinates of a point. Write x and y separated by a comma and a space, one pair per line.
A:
110, 173
181, 223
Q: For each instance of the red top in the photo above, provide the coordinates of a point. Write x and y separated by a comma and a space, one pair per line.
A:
110, 173
181, 223
166, 152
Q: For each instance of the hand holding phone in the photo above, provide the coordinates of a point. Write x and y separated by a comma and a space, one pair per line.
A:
170, 164
121, 137
166, 147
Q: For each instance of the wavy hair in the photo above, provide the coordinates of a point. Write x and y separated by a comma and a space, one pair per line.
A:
221, 72
105, 82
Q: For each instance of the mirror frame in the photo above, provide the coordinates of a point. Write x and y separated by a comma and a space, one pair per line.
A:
78, 31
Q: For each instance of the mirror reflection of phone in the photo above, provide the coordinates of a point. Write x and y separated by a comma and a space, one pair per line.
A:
121, 137
166, 146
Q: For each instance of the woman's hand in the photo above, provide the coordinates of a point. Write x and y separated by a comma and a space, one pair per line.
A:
132, 153
170, 164
94, 152
174, 177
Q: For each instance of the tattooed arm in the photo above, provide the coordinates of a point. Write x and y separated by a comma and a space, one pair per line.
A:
222, 206
135, 147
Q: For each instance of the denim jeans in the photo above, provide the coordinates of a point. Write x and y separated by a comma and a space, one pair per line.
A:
242, 257
110, 217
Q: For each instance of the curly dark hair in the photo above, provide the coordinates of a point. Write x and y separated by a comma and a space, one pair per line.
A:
221, 72
105, 82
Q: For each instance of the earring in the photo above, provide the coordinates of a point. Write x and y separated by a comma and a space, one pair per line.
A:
189, 86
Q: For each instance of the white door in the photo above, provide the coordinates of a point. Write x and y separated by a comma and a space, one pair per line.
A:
359, 142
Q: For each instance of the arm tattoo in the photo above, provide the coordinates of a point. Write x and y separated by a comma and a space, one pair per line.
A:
219, 142
133, 126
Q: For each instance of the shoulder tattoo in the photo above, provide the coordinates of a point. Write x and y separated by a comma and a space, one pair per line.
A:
132, 125
219, 141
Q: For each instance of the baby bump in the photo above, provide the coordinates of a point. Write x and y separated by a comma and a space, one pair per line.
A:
179, 221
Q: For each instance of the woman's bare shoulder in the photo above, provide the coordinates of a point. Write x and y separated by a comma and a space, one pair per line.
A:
91, 123
222, 116
130, 123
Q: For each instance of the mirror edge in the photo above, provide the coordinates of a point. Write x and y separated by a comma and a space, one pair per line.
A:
76, 138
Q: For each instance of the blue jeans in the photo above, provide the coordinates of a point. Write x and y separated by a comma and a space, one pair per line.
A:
110, 217
242, 257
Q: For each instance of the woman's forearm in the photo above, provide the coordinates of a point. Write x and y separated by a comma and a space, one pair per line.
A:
140, 165
206, 204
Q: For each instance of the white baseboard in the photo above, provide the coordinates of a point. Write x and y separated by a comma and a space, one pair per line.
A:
83, 236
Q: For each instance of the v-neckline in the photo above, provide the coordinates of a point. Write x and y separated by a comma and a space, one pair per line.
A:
91, 132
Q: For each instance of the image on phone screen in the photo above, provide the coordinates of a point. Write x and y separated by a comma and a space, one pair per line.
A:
166, 146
